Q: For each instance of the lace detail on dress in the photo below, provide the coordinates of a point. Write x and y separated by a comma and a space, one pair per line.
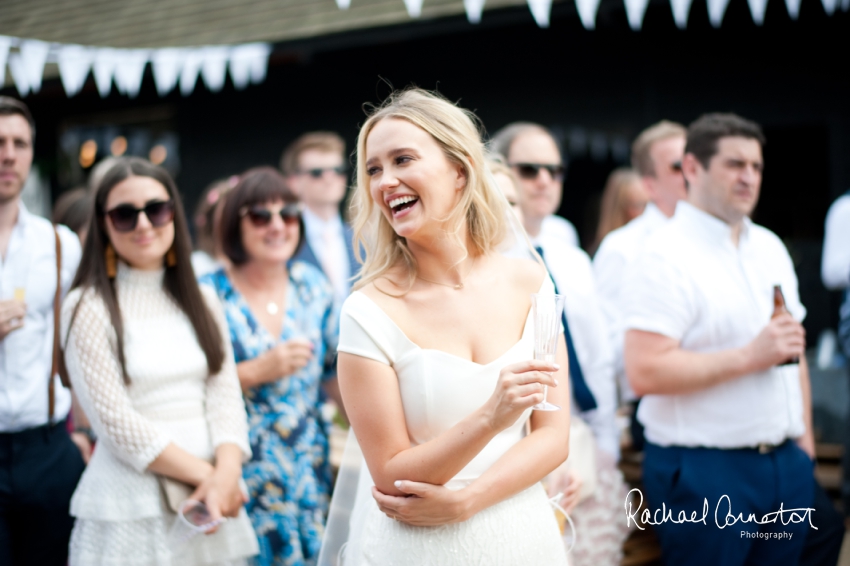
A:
92, 363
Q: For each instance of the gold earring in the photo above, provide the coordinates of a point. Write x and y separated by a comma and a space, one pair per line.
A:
110, 260
171, 257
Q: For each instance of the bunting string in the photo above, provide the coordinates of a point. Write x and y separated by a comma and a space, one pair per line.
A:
124, 69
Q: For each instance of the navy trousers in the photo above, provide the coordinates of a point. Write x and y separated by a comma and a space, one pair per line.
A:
39, 470
682, 479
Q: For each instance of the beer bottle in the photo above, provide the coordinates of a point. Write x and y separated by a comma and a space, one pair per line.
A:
778, 309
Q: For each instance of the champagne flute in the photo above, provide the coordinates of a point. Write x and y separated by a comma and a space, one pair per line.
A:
547, 310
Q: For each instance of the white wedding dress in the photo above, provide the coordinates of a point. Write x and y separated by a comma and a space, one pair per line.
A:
438, 390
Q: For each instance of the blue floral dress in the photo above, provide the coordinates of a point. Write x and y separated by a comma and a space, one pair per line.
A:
289, 475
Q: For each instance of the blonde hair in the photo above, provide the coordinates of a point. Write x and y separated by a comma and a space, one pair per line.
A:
329, 142
612, 210
497, 167
641, 159
482, 208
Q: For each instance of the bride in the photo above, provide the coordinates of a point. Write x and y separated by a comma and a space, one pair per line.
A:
435, 355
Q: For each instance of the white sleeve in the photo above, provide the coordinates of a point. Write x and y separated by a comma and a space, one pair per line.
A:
225, 408
358, 335
835, 266
657, 297
609, 268
71, 254
92, 362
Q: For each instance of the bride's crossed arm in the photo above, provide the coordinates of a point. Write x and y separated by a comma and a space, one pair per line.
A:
374, 406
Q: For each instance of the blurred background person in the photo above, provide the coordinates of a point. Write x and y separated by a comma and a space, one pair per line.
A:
317, 174
541, 175
508, 182
208, 255
591, 359
72, 209
657, 157
39, 462
835, 272
147, 352
284, 332
727, 394
623, 199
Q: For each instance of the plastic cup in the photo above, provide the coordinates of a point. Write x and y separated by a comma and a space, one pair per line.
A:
192, 520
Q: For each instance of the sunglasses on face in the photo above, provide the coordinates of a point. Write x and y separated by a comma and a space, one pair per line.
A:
318, 172
260, 216
676, 167
530, 171
125, 217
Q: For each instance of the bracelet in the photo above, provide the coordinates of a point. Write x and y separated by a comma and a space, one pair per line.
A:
88, 432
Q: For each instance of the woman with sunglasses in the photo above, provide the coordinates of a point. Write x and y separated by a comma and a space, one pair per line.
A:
284, 332
147, 354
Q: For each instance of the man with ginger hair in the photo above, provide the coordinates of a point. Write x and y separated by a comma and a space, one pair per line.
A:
657, 157
316, 173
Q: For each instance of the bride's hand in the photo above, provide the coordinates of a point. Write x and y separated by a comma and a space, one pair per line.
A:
426, 505
520, 386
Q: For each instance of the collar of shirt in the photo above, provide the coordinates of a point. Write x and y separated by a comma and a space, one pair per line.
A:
317, 227
652, 215
709, 228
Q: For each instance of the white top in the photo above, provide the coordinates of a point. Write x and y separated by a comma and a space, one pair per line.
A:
835, 269
692, 284
570, 267
560, 228
327, 240
171, 396
617, 250
26, 354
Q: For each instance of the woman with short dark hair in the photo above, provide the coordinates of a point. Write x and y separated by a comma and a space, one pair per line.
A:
146, 354
284, 331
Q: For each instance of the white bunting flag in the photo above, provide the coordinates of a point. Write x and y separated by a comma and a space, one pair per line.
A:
757, 9
635, 11
214, 67
191, 68
716, 11
681, 11
829, 6
27, 65
248, 63
75, 62
473, 10
793, 8
130, 70
105, 61
414, 8
587, 12
167, 64
343, 4
5, 44
845, 5
541, 10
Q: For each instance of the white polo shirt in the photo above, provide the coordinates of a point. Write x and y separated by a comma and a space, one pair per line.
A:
617, 250
26, 354
570, 268
692, 284
835, 266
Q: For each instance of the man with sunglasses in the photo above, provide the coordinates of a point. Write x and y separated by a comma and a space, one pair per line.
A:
657, 157
315, 172
39, 463
532, 152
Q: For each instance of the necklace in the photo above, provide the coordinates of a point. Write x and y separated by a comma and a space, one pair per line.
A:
272, 308
455, 286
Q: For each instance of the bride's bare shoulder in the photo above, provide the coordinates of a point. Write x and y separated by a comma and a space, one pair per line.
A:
525, 273
393, 284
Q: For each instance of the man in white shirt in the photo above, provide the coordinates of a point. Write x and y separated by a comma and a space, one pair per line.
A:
727, 424
591, 369
39, 463
315, 171
835, 272
540, 174
657, 157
